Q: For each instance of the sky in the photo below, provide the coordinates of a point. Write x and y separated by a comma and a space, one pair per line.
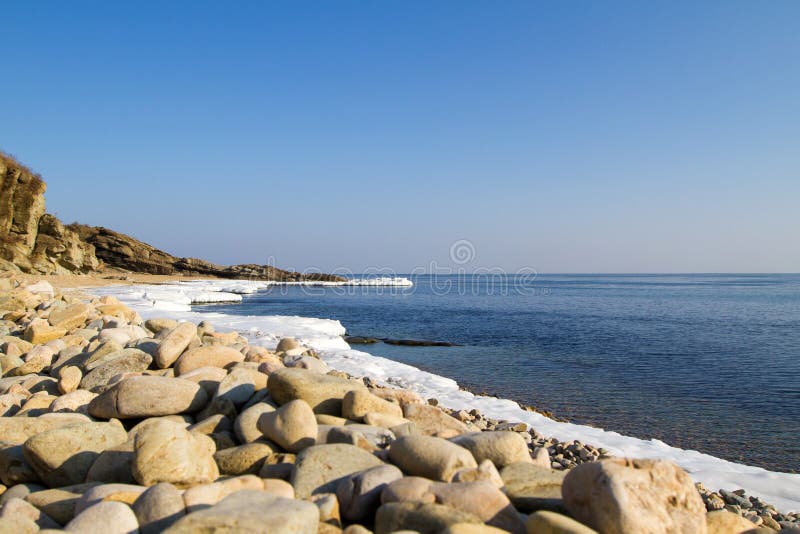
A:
558, 137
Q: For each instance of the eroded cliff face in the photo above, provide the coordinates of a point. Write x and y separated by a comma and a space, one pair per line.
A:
31, 240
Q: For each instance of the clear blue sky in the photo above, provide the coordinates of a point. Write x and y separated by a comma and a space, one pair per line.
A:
565, 136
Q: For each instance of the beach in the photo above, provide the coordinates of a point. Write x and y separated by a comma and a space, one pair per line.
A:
257, 348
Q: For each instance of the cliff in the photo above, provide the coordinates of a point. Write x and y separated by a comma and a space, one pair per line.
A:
33, 241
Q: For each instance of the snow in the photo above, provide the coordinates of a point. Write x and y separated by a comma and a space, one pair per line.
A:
324, 335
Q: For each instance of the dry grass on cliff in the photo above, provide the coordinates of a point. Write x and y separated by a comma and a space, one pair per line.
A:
36, 179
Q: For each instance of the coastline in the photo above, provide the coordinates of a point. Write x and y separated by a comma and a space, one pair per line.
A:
324, 336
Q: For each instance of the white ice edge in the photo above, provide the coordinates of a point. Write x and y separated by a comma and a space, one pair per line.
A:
779, 489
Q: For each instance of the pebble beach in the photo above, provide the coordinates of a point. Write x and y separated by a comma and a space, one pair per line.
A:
112, 422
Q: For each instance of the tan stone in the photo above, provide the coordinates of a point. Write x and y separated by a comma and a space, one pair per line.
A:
320, 469
432, 421
166, 452
173, 344
324, 393
148, 396
292, 426
544, 522
501, 448
70, 317
17, 430
623, 495
532, 487
69, 378
430, 457
39, 331
356, 404
209, 356
725, 522
418, 517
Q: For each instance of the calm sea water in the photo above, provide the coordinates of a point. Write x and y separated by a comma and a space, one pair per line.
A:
706, 362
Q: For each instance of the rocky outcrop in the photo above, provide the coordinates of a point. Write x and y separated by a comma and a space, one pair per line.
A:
33, 241
124, 252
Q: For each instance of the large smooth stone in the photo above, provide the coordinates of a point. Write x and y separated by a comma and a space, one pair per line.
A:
356, 404
158, 508
432, 421
127, 493
324, 393
165, 451
360, 494
59, 503
63, 456
70, 317
109, 517
482, 499
148, 396
244, 459
246, 425
623, 495
292, 426
430, 457
419, 517
532, 487
252, 511
502, 448
320, 469
545, 522
173, 344
208, 356
125, 361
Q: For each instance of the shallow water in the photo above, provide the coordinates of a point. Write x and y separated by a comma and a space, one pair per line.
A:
705, 362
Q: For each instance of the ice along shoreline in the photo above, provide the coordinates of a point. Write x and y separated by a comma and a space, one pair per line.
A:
325, 336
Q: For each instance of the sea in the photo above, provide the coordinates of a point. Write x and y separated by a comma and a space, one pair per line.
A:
709, 362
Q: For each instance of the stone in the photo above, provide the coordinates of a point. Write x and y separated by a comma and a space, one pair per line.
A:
16, 507
113, 465
419, 517
213, 424
324, 393
725, 522
238, 386
125, 493
204, 496
77, 401
432, 421
123, 334
501, 448
320, 468
544, 522
279, 488
148, 396
430, 457
19, 491
360, 494
63, 456
39, 331
209, 378
72, 316
292, 426
278, 466
482, 499
384, 420
485, 471
356, 404
59, 503
472, 528
109, 517
14, 468
306, 362
69, 378
287, 344
244, 459
252, 511
532, 487
164, 451
624, 495
209, 356
328, 506
157, 324
158, 508
173, 344
18, 525
246, 424
125, 361
409, 489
